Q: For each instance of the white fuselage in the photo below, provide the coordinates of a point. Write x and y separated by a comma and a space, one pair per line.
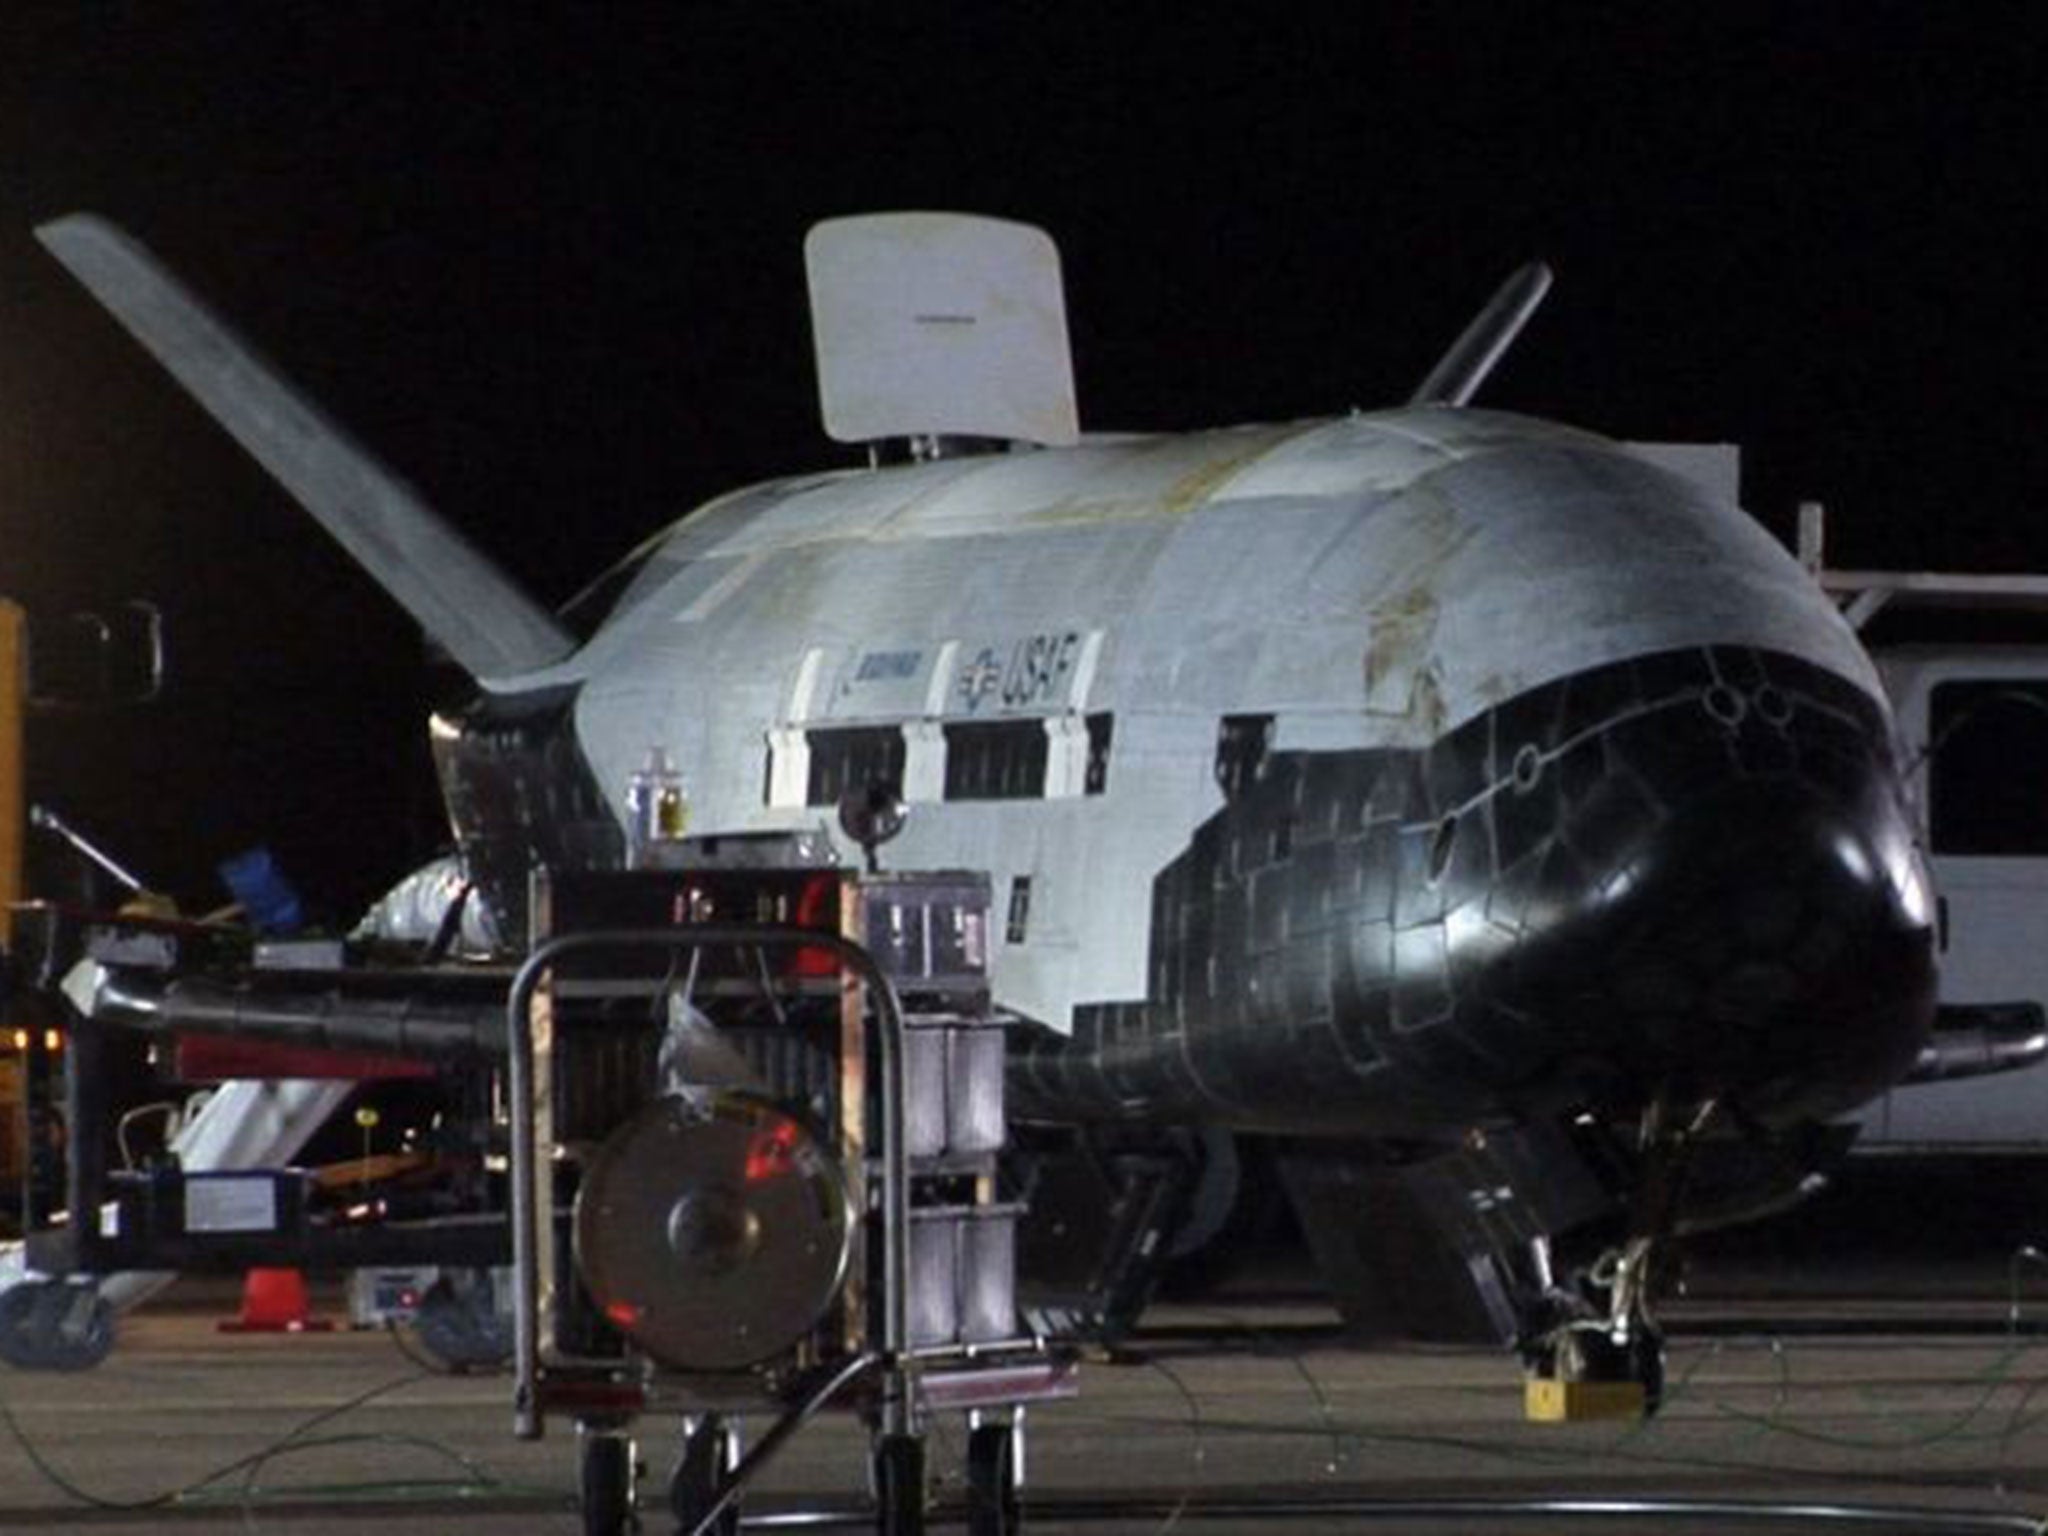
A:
1371, 581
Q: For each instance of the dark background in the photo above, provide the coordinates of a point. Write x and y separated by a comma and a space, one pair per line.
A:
547, 261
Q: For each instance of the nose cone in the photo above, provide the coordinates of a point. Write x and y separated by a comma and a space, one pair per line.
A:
1769, 946
1740, 912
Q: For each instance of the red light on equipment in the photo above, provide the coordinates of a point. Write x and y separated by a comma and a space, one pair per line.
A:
772, 1155
817, 906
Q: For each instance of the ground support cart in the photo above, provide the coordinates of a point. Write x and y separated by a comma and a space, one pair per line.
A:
191, 984
755, 1121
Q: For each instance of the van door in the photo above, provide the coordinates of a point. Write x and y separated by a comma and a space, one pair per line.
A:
1976, 726
1977, 732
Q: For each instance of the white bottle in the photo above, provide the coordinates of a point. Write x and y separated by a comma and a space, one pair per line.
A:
657, 810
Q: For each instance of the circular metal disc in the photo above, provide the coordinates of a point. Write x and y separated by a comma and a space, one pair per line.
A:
713, 1233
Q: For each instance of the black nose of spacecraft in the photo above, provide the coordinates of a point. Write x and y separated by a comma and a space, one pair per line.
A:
1718, 896
1681, 878
1766, 944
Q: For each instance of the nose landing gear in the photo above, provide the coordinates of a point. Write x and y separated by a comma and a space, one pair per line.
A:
1603, 1367
1604, 1357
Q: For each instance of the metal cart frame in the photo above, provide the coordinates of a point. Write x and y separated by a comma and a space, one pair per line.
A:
993, 1461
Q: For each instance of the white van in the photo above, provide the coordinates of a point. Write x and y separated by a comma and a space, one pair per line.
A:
1973, 719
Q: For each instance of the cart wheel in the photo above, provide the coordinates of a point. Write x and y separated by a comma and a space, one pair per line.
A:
605, 1483
993, 1507
54, 1325
710, 1451
899, 1485
458, 1323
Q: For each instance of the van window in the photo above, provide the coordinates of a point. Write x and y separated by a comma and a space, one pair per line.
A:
1988, 771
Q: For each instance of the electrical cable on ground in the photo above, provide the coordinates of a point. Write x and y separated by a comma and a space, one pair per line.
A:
292, 1442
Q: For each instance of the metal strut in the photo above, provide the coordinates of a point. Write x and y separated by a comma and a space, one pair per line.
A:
1616, 1339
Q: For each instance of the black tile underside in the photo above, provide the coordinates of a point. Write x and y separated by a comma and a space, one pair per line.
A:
1378, 940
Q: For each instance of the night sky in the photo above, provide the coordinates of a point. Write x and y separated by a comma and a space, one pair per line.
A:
550, 268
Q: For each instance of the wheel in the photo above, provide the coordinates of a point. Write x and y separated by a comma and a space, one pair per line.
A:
899, 1485
1588, 1356
55, 1325
710, 1452
1646, 1360
458, 1323
605, 1483
993, 1507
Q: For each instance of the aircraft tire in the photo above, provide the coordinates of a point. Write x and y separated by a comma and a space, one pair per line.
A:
1595, 1357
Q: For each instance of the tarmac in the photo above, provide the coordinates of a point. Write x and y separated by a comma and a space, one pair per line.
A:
1917, 1403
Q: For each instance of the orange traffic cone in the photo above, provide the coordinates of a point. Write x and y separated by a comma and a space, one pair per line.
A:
274, 1301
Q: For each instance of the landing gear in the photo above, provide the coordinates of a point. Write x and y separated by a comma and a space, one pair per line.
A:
1631, 1347
55, 1325
1102, 1217
710, 1451
1597, 1357
1600, 1360
606, 1475
1603, 1355
1586, 1370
